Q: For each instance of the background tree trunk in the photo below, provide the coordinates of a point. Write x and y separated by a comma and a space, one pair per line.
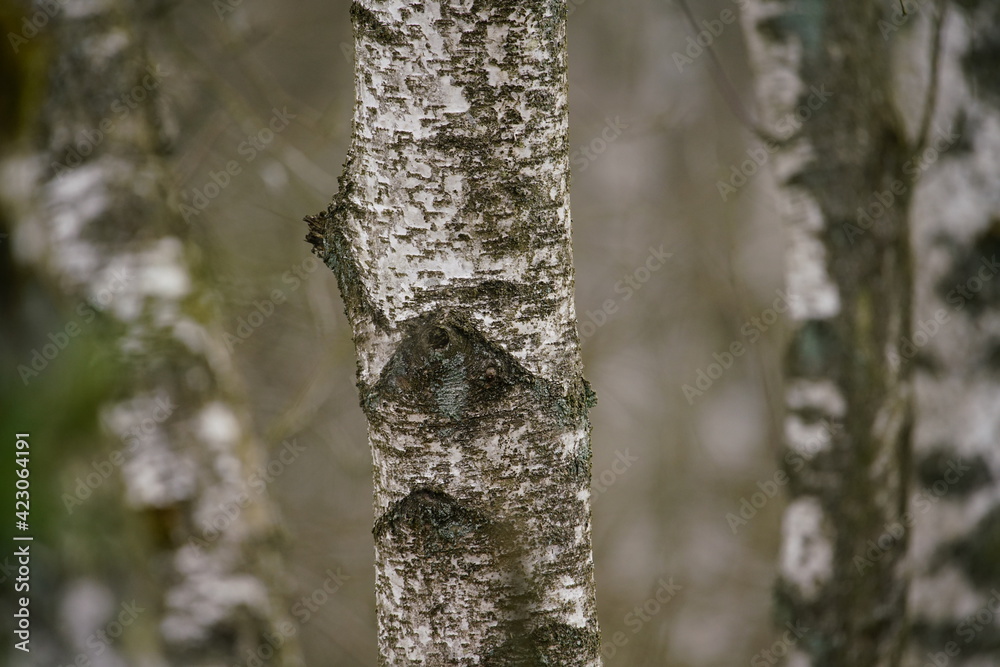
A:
824, 83
955, 547
98, 226
450, 239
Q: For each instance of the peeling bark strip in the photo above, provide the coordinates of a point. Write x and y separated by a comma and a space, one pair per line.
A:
850, 312
99, 224
450, 239
954, 602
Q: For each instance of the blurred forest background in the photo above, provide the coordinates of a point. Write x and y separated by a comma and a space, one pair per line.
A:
652, 136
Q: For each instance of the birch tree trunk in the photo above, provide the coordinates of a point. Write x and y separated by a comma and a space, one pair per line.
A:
93, 216
450, 240
824, 84
955, 347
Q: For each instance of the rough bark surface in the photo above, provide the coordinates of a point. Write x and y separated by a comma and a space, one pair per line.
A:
827, 66
97, 223
954, 601
450, 239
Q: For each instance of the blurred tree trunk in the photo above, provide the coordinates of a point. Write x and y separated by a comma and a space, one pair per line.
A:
93, 216
825, 88
955, 349
450, 239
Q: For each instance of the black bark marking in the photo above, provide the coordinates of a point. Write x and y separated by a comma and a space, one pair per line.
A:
582, 461
992, 355
545, 646
980, 61
493, 295
964, 286
366, 24
330, 243
946, 474
978, 554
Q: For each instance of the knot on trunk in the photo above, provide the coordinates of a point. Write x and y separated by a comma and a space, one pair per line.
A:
435, 522
445, 369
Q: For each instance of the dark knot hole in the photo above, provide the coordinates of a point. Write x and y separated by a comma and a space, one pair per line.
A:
438, 338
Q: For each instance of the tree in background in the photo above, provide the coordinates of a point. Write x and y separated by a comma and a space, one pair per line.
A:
850, 289
954, 344
450, 240
93, 218
889, 545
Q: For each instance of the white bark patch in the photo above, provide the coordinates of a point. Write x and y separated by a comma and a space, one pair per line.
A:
156, 474
192, 334
154, 274
807, 438
74, 201
105, 47
777, 63
86, 607
219, 429
798, 658
806, 547
207, 595
821, 395
812, 293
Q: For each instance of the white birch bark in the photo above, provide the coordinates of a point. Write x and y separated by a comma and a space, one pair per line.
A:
101, 230
823, 83
954, 601
450, 239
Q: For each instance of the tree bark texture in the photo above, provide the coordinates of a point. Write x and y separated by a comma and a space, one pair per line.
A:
954, 555
98, 225
824, 86
450, 240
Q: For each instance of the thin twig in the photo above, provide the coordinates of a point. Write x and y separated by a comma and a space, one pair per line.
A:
930, 103
728, 90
